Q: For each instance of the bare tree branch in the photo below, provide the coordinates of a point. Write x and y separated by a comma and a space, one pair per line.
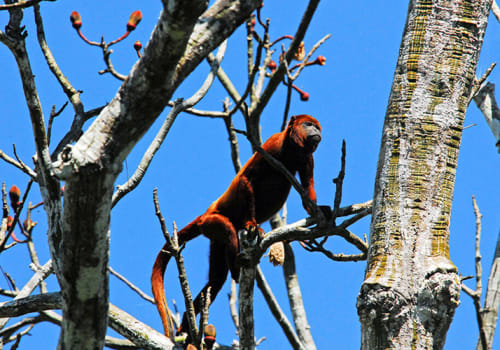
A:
479, 82
232, 305
22, 306
486, 102
137, 332
495, 10
247, 240
37, 278
295, 300
72, 94
174, 250
479, 276
21, 4
132, 286
355, 208
278, 314
489, 312
28, 171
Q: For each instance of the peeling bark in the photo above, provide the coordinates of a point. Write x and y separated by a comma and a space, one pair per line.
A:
411, 287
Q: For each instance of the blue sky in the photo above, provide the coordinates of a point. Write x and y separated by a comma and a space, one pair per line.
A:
348, 96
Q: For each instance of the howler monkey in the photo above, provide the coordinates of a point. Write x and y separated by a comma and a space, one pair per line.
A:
256, 193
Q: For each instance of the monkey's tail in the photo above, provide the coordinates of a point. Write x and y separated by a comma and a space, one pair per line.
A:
159, 267
189, 232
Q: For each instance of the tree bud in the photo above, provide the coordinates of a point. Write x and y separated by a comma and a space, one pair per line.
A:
210, 334
76, 20
14, 195
272, 65
321, 60
134, 20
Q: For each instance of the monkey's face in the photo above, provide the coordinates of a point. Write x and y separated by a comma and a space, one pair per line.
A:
312, 135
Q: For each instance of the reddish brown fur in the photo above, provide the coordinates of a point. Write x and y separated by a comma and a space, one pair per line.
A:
256, 193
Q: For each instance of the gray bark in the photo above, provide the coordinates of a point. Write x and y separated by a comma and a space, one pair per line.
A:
411, 287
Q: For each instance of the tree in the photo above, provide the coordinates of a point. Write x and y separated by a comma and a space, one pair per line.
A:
411, 287
89, 177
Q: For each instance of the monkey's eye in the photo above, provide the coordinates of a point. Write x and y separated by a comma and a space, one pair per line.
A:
308, 124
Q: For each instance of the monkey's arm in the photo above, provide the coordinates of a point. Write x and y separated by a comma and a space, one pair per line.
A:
306, 175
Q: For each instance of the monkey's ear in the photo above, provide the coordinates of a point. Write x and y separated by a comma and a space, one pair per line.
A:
292, 120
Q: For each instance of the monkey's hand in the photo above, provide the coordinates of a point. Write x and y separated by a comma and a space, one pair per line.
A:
249, 238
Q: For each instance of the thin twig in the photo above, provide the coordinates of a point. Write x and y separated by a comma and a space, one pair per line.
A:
339, 181
131, 285
354, 208
305, 62
287, 105
250, 55
54, 114
35, 280
233, 139
106, 53
26, 168
277, 312
263, 67
8, 331
479, 273
355, 218
250, 88
174, 249
72, 94
479, 82
31, 247
486, 102
201, 113
28, 171
228, 85
314, 246
205, 302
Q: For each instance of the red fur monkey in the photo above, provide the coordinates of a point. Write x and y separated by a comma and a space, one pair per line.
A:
256, 193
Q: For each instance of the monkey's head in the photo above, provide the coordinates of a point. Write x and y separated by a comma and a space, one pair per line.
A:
305, 131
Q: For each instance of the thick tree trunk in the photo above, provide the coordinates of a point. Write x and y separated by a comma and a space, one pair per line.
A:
183, 36
411, 288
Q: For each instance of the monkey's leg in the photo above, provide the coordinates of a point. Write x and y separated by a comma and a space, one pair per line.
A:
217, 275
218, 228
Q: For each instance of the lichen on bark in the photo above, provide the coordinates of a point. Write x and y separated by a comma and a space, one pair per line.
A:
411, 287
